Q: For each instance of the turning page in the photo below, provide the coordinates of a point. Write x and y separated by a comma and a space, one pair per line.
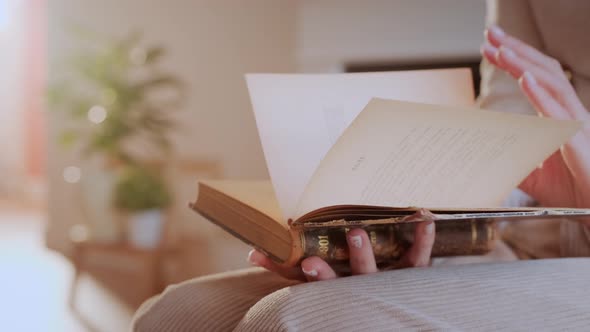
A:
418, 155
300, 116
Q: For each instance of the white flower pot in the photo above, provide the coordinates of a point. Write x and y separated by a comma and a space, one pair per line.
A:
95, 205
145, 229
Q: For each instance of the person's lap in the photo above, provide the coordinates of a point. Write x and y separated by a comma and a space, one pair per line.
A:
254, 298
524, 295
211, 303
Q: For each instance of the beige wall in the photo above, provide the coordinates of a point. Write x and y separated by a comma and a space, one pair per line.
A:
211, 44
332, 33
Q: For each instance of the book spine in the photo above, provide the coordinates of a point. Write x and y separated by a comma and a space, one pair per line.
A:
391, 241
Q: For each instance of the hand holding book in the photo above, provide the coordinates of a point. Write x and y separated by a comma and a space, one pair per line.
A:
564, 178
362, 259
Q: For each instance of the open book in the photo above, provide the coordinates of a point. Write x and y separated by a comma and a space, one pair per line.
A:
337, 162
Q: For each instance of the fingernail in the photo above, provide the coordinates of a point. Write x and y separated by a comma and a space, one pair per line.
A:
527, 76
429, 228
496, 31
356, 241
487, 48
251, 259
311, 273
508, 53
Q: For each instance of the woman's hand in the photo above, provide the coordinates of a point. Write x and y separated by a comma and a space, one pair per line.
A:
563, 180
362, 260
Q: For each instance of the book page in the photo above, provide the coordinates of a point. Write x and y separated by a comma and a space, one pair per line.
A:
300, 116
408, 154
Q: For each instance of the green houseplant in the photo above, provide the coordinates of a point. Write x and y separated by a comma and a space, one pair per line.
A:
118, 104
114, 93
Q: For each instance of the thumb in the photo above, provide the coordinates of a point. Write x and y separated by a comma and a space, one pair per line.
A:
257, 258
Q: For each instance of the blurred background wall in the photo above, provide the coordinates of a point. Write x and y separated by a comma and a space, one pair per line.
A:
333, 34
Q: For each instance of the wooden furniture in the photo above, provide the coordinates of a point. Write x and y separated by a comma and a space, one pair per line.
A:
134, 275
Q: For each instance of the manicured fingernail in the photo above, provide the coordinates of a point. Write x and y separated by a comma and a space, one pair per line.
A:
429, 229
508, 53
251, 259
311, 273
356, 241
496, 31
529, 78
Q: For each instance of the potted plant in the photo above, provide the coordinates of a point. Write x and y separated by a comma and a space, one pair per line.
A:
117, 101
142, 195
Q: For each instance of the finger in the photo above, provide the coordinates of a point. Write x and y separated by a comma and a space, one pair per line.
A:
556, 85
316, 269
543, 102
497, 37
362, 260
419, 254
489, 52
257, 258
506, 59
